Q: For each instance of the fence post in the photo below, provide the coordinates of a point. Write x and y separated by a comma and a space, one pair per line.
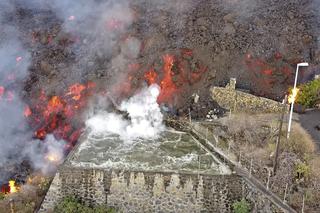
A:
207, 134
250, 171
285, 193
268, 181
303, 204
199, 166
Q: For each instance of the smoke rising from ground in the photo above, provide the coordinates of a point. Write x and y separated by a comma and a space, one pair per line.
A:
145, 118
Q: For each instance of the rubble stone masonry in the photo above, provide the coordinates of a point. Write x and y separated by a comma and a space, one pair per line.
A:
131, 191
237, 101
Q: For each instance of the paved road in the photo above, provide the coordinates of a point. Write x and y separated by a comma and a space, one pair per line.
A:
308, 121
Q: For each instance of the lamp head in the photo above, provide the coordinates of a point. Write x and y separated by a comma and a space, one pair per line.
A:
305, 64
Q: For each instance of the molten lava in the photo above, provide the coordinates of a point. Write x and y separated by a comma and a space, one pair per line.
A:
58, 114
168, 88
176, 75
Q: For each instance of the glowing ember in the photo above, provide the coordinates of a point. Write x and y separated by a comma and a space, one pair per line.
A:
292, 97
12, 185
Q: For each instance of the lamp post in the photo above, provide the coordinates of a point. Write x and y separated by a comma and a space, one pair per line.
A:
293, 91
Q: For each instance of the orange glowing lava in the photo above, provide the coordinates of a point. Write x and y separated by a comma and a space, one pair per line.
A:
175, 76
57, 115
167, 86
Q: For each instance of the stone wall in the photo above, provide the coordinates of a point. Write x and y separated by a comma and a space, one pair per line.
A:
237, 101
153, 192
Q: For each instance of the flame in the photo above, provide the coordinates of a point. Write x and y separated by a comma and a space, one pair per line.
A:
292, 97
12, 185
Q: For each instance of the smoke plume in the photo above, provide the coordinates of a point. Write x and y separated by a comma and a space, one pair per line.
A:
144, 113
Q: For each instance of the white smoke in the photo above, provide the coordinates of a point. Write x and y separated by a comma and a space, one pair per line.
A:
144, 113
46, 155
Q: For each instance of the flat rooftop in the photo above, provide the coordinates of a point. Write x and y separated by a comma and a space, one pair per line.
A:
172, 151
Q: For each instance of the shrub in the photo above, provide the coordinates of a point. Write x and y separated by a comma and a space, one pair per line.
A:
2, 196
303, 170
309, 94
73, 205
241, 206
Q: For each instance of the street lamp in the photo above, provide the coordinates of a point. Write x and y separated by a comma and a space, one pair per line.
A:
294, 93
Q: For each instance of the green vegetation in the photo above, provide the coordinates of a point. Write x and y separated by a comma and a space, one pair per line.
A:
309, 94
241, 206
2, 196
73, 205
303, 170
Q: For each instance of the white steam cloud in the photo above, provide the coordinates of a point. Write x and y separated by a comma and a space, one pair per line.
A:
45, 155
144, 113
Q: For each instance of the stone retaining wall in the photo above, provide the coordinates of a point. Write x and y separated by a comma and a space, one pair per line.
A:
237, 101
131, 191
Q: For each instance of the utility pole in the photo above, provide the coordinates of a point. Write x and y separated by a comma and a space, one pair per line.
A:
294, 93
275, 163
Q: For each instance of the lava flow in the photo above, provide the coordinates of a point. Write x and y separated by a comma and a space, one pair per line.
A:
175, 76
57, 115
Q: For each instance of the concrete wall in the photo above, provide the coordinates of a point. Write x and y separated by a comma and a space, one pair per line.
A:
153, 192
237, 101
